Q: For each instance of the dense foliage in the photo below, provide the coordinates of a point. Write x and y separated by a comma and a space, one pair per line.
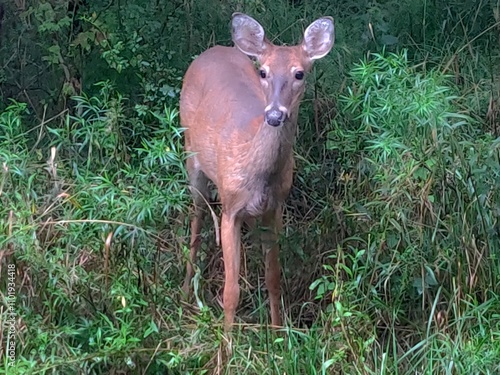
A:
391, 247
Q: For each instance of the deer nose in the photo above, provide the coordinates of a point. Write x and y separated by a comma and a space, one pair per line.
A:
275, 117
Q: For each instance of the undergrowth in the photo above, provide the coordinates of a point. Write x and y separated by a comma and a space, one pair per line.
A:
390, 249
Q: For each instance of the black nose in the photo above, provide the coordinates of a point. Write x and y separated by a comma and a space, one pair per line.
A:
275, 117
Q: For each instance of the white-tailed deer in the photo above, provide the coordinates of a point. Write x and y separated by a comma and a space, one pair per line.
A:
241, 119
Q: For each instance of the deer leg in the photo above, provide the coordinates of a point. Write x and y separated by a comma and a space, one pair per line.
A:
231, 244
196, 225
199, 189
272, 223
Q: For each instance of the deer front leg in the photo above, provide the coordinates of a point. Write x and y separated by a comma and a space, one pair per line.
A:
272, 223
231, 244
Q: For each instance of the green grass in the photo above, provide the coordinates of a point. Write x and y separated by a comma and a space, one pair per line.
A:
391, 244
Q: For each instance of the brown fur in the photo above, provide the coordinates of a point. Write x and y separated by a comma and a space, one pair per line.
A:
223, 106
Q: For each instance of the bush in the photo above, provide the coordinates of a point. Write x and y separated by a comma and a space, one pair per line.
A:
419, 191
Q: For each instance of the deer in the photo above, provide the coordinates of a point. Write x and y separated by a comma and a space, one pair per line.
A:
239, 108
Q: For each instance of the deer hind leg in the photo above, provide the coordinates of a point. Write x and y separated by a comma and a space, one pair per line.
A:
231, 244
272, 223
200, 192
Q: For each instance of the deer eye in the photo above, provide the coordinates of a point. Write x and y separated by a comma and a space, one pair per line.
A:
262, 73
299, 75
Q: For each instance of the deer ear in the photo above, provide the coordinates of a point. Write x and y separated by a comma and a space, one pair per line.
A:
319, 38
248, 35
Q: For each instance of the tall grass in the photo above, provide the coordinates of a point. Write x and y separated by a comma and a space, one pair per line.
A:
419, 189
390, 248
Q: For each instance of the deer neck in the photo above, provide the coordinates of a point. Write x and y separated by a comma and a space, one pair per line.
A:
273, 146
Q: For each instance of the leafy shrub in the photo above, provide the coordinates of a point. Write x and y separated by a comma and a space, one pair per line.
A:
419, 190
